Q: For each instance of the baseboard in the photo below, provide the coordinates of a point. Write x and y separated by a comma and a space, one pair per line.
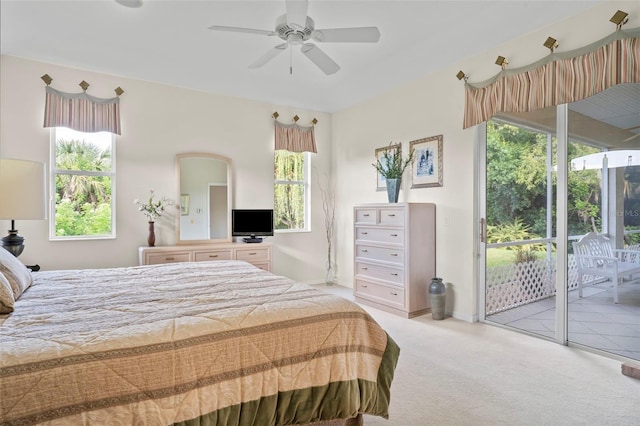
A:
467, 318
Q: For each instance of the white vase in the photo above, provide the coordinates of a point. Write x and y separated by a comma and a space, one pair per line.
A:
330, 276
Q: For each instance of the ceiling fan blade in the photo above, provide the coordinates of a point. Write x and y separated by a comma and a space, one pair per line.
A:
355, 35
242, 30
271, 53
297, 13
318, 57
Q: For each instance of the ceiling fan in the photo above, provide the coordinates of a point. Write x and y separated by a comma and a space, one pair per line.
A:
296, 29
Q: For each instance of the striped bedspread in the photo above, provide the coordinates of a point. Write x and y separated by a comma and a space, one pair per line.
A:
220, 343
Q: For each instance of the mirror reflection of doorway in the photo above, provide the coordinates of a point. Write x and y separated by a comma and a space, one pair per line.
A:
196, 173
218, 211
604, 199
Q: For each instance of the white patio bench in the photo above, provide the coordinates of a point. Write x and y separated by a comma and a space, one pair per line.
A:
595, 256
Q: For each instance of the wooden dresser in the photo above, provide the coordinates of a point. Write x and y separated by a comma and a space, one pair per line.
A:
256, 254
395, 256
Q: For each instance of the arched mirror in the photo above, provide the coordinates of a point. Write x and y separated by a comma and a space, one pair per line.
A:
205, 198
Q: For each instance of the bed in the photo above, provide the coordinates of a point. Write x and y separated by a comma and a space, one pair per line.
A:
216, 343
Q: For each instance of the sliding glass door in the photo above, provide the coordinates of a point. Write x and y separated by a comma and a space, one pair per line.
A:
604, 195
519, 249
532, 211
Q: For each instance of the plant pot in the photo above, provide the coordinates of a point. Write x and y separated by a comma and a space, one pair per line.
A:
393, 189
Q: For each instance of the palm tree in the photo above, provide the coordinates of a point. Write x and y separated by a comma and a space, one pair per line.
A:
75, 155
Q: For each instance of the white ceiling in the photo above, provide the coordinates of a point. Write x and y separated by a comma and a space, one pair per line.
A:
167, 41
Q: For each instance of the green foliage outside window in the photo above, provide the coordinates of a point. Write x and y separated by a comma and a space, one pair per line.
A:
517, 182
289, 190
83, 201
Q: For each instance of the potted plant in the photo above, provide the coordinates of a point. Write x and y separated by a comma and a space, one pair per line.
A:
152, 210
391, 167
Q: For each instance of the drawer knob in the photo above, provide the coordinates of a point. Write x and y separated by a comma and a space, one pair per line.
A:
252, 254
366, 215
392, 215
364, 286
395, 294
365, 233
395, 274
213, 256
394, 235
365, 251
169, 258
365, 268
394, 254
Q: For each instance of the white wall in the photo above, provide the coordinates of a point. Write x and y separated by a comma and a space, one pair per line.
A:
426, 108
431, 106
158, 122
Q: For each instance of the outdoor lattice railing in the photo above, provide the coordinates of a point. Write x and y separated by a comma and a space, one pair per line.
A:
517, 284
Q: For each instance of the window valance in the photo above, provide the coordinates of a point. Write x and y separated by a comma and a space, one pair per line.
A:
294, 138
558, 78
81, 112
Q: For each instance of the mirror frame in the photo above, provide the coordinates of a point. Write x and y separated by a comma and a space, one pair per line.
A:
227, 160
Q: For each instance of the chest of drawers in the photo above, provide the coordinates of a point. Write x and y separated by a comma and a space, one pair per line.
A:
394, 256
256, 254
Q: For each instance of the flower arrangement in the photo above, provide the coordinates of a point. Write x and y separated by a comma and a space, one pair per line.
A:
153, 209
391, 165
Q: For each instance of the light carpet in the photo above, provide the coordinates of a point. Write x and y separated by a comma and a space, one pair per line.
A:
452, 372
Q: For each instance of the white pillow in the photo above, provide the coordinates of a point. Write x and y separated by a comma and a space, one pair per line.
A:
15, 272
6, 296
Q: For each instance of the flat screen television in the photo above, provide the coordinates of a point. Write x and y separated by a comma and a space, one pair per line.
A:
251, 223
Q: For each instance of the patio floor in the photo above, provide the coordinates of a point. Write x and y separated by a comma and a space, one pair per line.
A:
594, 320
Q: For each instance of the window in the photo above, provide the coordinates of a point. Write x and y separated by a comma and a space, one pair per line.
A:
82, 184
291, 191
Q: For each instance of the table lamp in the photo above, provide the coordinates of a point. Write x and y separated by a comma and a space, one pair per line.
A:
22, 197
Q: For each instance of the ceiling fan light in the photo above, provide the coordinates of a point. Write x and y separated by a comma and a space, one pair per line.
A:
295, 39
130, 3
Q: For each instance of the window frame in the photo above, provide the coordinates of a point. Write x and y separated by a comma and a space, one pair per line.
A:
306, 185
54, 171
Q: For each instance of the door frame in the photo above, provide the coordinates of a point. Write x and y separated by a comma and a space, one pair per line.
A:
480, 187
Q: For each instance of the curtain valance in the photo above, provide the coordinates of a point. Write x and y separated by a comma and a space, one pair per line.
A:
81, 112
558, 78
294, 138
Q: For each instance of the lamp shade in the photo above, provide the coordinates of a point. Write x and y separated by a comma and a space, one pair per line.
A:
22, 190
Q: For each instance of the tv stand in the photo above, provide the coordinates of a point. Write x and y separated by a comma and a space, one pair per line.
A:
252, 239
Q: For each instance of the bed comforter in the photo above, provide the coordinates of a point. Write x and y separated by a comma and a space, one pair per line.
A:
220, 343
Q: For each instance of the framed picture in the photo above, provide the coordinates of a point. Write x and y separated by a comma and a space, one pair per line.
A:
426, 170
381, 182
184, 204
